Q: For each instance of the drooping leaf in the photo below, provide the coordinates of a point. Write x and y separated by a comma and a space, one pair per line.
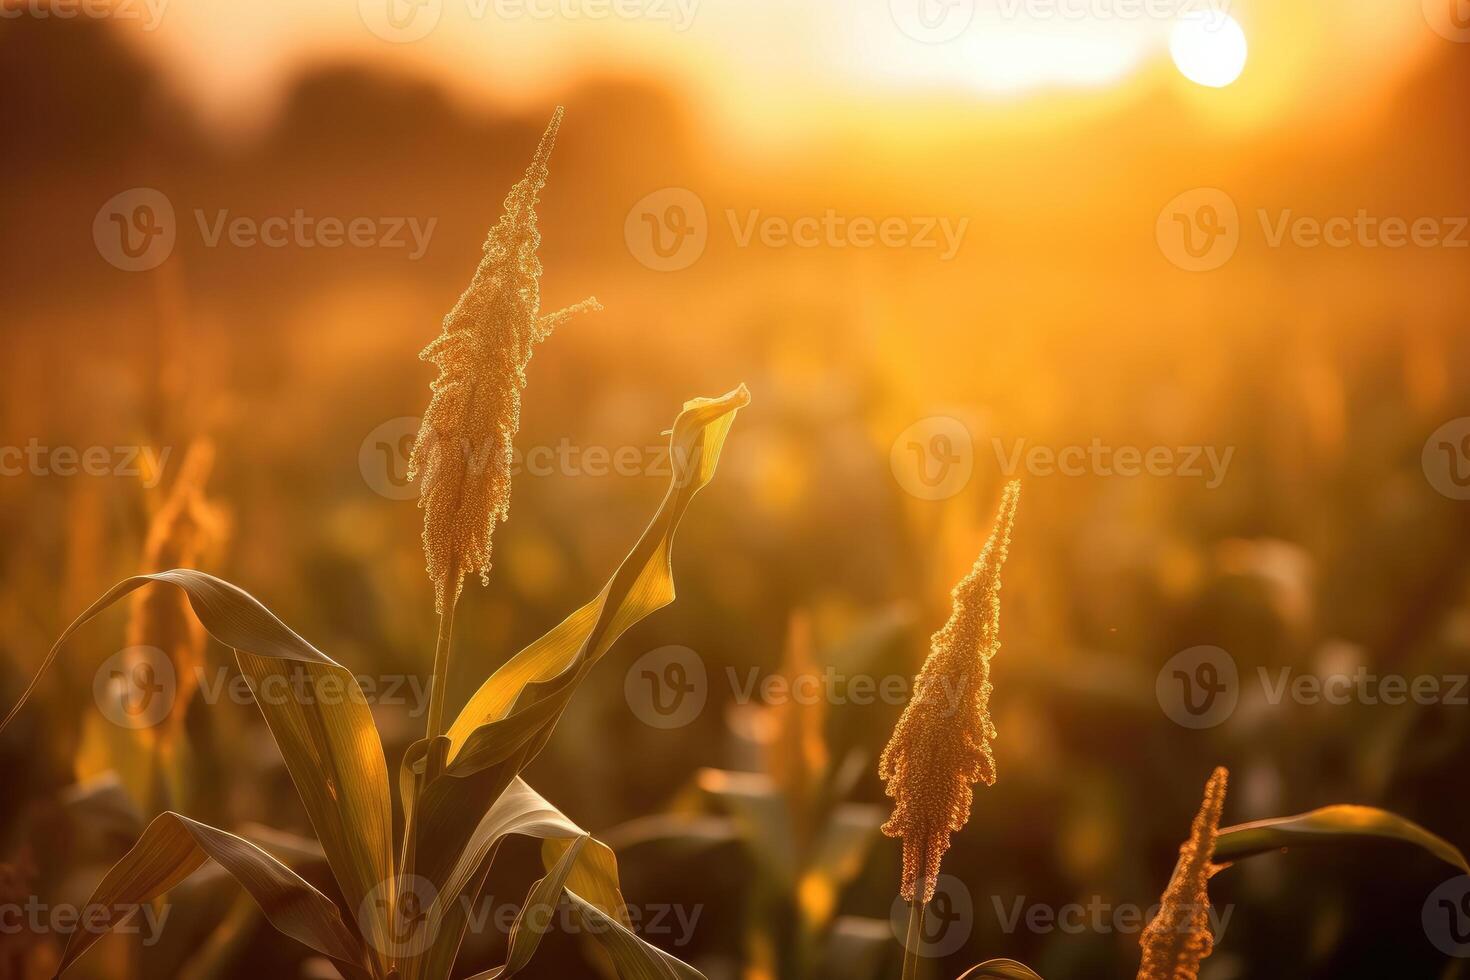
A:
535, 916
594, 876
1000, 970
633, 958
320, 719
174, 847
1340, 824
519, 810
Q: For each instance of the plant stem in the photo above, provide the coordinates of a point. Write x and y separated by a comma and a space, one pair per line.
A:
441, 671
915, 939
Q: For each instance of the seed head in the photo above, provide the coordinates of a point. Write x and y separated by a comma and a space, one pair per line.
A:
1178, 939
465, 443
941, 745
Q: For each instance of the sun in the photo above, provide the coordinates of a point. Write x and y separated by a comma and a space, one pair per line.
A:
1210, 49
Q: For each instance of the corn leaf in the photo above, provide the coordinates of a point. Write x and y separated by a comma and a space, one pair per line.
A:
594, 877
524, 812
643, 584
534, 917
519, 810
510, 718
1341, 824
323, 727
1000, 970
174, 847
633, 958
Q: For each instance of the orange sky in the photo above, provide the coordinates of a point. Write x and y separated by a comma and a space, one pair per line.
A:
778, 65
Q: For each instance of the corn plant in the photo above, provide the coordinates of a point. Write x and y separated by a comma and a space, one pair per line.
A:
408, 895
933, 760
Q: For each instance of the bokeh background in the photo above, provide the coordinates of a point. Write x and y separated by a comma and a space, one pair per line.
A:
1068, 146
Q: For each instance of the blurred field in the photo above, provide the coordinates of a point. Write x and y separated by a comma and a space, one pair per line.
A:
1324, 545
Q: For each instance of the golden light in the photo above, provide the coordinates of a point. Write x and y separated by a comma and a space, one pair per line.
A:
1210, 50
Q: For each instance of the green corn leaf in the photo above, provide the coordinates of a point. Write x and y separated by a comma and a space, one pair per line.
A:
1340, 824
174, 847
327, 738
